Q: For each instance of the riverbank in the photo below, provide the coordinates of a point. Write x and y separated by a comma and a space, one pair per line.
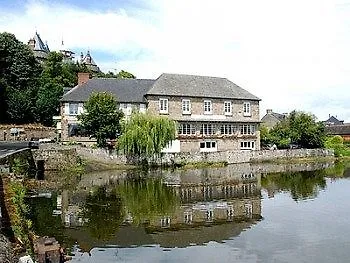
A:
6, 251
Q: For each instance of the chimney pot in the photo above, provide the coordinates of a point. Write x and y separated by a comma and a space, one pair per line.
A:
83, 77
268, 111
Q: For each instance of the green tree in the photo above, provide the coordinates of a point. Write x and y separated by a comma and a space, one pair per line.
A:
145, 135
48, 101
19, 74
298, 128
101, 119
125, 75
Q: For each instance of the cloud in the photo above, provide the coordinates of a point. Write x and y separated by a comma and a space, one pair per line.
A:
292, 54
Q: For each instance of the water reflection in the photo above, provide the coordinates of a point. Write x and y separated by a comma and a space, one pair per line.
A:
206, 209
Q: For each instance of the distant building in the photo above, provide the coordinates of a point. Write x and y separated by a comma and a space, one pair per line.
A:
40, 49
272, 118
332, 121
89, 62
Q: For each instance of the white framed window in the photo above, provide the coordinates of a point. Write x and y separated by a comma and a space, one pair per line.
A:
228, 129
186, 129
188, 217
163, 106
186, 107
248, 207
165, 222
247, 145
73, 108
207, 129
208, 107
228, 107
246, 109
209, 214
143, 108
247, 129
208, 146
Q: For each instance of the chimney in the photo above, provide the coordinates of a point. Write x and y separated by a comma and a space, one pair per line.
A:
83, 77
268, 111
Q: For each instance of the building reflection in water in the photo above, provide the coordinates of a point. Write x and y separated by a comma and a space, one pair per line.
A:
172, 209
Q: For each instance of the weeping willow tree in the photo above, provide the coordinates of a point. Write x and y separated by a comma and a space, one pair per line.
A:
146, 135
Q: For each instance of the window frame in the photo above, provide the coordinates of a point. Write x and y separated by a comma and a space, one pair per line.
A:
205, 127
163, 106
247, 109
208, 146
186, 131
71, 109
228, 106
186, 109
247, 145
207, 107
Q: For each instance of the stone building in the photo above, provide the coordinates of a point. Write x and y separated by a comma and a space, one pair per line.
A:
40, 49
213, 114
272, 118
89, 62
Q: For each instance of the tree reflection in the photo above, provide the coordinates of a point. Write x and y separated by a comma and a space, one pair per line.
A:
301, 185
103, 213
146, 198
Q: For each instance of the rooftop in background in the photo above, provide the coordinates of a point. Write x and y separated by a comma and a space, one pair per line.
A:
272, 118
333, 121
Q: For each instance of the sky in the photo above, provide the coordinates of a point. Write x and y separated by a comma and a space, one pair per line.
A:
293, 54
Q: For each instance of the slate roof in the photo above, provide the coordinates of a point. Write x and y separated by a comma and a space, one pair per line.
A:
124, 90
277, 116
333, 121
198, 86
39, 44
343, 129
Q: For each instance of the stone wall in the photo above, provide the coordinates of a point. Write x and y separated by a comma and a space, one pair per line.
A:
26, 132
230, 157
56, 159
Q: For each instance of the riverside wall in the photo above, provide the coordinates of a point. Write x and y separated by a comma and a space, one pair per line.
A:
229, 157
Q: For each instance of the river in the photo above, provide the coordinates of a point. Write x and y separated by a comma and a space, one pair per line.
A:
239, 213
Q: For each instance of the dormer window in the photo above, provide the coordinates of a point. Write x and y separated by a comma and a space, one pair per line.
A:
208, 107
246, 109
163, 106
186, 107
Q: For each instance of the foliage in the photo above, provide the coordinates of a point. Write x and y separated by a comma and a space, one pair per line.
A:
48, 101
19, 74
120, 75
146, 198
146, 135
104, 213
298, 128
301, 185
101, 118
20, 166
21, 226
336, 143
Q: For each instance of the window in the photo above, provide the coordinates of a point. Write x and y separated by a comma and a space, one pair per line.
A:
165, 222
186, 107
247, 145
163, 106
246, 109
228, 129
207, 107
73, 108
247, 129
230, 212
188, 217
228, 108
207, 129
248, 210
186, 129
209, 215
208, 146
